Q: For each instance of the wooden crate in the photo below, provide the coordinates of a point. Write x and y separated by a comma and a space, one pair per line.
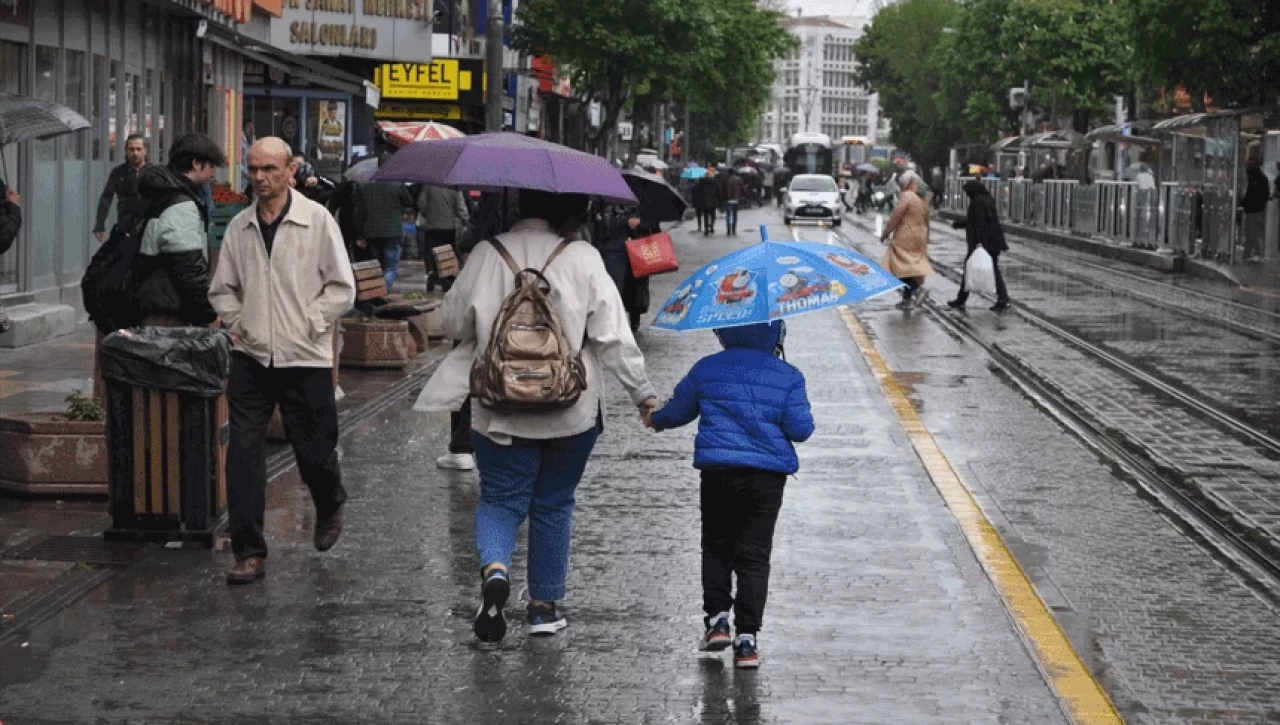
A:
371, 284
446, 261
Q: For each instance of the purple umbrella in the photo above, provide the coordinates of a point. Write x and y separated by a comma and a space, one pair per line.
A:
495, 161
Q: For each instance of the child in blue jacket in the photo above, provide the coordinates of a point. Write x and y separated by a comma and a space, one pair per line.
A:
753, 407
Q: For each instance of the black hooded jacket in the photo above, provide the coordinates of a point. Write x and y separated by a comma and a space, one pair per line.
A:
174, 281
982, 224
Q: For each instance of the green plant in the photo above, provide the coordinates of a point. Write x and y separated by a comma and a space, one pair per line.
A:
84, 409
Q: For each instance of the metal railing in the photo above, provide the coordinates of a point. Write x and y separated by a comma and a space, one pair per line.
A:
1117, 211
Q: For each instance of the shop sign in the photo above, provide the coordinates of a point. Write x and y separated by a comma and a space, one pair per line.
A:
459, 80
418, 112
16, 12
624, 130
379, 29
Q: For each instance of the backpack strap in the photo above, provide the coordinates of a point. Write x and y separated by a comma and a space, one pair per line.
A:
511, 262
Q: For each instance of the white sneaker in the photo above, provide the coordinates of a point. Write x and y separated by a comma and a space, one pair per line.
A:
457, 461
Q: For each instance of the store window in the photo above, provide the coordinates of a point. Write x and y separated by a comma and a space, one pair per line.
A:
95, 106
113, 122
73, 98
148, 128
327, 138
12, 74
47, 89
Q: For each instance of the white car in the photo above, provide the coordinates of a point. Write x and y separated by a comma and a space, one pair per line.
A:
812, 197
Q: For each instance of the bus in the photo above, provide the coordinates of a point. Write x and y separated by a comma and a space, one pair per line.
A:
854, 150
809, 153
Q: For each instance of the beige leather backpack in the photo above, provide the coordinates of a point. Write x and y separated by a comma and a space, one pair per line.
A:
528, 366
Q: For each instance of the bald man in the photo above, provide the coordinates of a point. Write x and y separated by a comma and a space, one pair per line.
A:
282, 283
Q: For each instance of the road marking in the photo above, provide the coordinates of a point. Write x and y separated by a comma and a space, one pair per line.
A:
1081, 697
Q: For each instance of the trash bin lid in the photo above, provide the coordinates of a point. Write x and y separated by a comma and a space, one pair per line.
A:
195, 360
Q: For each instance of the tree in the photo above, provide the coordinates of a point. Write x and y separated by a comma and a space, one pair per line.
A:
1228, 49
612, 47
901, 56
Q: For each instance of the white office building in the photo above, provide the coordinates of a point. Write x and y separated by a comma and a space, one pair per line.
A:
815, 91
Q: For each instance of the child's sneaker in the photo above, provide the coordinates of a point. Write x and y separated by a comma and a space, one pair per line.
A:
545, 619
745, 654
491, 623
718, 637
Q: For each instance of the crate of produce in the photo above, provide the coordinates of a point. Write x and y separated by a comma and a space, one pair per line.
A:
227, 203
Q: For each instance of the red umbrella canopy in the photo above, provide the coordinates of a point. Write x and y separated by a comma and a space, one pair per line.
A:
407, 132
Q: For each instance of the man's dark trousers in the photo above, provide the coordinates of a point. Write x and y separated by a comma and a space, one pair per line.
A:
739, 510
305, 397
1002, 292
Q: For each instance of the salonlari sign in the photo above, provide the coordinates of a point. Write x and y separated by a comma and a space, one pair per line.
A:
381, 29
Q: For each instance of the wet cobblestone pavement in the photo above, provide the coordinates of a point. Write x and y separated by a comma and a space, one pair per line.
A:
878, 612
1174, 635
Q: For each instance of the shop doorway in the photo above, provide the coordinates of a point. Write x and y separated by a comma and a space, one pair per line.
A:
273, 116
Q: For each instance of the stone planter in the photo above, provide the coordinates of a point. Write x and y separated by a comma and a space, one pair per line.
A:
382, 344
420, 327
46, 454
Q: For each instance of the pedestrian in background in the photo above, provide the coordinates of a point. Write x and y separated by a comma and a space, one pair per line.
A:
531, 463
706, 199
378, 211
442, 219
122, 186
734, 189
281, 317
908, 255
10, 226
172, 267
1256, 195
981, 226
752, 408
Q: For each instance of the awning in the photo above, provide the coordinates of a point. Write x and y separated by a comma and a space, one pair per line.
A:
1061, 139
1192, 120
1007, 143
295, 65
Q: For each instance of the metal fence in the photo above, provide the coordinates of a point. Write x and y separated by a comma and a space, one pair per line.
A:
1118, 211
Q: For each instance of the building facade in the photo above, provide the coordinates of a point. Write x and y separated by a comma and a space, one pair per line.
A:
128, 67
815, 89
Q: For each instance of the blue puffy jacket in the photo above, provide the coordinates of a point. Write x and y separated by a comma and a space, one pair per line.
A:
752, 405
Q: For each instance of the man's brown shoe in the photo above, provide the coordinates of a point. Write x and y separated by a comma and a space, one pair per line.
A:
248, 571
328, 530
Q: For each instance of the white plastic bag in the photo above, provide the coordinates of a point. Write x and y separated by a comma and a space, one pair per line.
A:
980, 273
879, 225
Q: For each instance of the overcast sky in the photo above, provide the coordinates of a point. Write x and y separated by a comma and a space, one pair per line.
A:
834, 7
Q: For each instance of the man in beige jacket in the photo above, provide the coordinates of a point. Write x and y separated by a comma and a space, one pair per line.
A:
283, 281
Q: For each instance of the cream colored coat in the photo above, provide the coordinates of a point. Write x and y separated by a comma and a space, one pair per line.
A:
284, 307
585, 299
908, 254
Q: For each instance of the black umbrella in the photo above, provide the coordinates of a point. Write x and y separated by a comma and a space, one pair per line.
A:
659, 201
24, 118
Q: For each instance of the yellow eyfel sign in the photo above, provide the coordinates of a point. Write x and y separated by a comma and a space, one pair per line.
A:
443, 79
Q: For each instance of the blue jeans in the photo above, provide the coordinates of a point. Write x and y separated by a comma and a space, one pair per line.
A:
387, 251
731, 215
534, 479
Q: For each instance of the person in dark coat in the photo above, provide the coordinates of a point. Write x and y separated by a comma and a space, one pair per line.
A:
1256, 195
706, 199
982, 226
622, 223
10, 226
122, 184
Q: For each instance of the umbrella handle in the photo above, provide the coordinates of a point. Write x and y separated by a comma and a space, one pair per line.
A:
764, 233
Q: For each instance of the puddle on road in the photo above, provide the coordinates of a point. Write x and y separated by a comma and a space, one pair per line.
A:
909, 381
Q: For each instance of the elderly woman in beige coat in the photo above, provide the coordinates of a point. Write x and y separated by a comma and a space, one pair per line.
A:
908, 255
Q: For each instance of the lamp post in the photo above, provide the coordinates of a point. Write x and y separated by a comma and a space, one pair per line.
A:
493, 63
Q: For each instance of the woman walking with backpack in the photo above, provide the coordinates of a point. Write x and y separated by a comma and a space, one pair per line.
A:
532, 450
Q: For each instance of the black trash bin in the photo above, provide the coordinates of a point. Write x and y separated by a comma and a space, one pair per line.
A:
167, 433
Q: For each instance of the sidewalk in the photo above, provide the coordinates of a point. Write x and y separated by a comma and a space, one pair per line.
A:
878, 611
39, 378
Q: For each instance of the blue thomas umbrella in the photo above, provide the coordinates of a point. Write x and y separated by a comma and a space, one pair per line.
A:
773, 280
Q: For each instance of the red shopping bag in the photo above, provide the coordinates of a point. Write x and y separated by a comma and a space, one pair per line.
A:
654, 254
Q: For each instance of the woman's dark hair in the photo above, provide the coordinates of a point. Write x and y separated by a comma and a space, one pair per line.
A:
194, 147
564, 212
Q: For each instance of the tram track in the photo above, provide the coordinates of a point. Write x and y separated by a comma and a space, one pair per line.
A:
1252, 554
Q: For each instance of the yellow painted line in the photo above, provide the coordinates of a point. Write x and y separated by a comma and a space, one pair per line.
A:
1082, 698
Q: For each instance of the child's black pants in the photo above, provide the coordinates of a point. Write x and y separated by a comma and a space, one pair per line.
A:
739, 510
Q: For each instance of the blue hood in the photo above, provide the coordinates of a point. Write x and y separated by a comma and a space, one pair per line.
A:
762, 336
